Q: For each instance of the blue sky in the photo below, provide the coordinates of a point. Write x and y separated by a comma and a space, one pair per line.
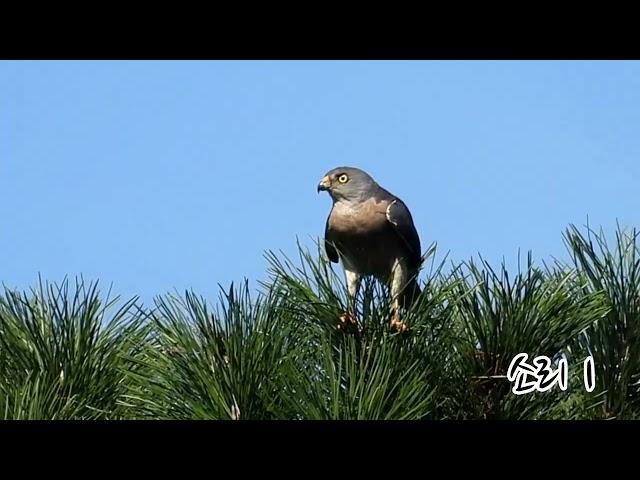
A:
172, 175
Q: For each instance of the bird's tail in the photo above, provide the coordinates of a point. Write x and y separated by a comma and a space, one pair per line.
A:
410, 294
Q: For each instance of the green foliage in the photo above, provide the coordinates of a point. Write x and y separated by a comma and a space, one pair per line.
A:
217, 363
62, 356
534, 313
614, 341
67, 353
372, 373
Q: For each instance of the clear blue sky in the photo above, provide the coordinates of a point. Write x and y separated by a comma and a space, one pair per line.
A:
163, 175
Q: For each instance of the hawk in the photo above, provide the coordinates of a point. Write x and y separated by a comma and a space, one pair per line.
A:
372, 232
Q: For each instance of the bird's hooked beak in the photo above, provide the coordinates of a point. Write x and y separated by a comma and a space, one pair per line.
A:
324, 184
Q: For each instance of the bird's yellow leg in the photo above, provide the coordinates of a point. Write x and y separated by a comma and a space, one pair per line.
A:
398, 280
396, 322
348, 321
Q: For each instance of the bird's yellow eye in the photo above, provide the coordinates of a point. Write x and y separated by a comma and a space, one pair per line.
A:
344, 178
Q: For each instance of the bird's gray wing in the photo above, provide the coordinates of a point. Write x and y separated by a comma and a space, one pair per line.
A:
332, 253
400, 217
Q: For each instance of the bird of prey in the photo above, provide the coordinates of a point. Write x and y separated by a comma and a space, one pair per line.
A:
372, 232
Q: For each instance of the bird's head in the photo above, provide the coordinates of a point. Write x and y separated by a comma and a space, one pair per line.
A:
347, 183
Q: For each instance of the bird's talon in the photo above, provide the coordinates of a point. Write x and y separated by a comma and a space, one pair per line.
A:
348, 322
347, 318
399, 325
